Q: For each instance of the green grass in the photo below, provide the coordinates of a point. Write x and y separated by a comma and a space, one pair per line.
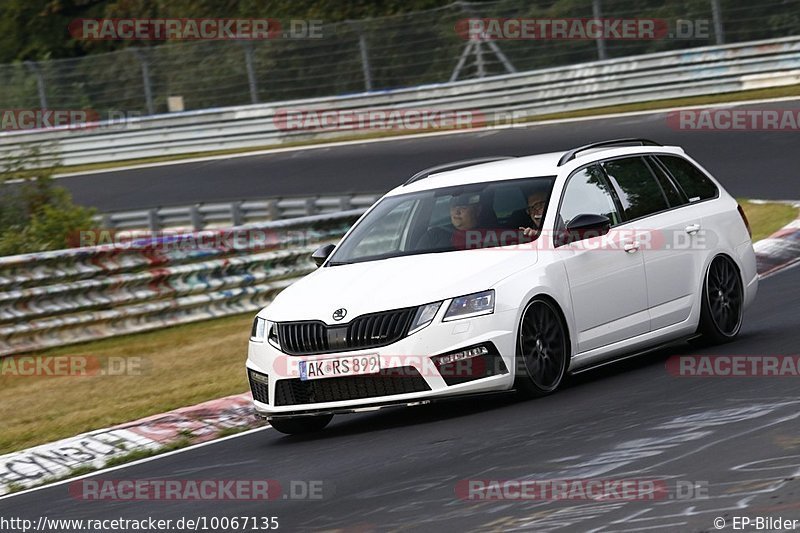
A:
756, 94
183, 365
766, 219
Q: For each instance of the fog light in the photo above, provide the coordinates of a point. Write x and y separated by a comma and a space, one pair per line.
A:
469, 353
259, 378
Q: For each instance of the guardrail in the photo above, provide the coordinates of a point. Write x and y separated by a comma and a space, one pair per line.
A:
699, 71
237, 213
68, 296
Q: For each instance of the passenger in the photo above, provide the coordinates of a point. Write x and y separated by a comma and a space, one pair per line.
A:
537, 201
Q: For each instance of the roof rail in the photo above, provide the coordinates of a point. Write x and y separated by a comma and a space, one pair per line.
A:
569, 156
455, 165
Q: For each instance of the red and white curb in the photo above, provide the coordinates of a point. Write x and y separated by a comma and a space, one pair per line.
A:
201, 423
204, 421
781, 249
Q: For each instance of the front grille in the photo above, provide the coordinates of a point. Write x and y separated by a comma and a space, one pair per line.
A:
366, 331
303, 337
259, 385
387, 382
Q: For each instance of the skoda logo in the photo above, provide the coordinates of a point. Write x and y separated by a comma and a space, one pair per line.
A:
339, 314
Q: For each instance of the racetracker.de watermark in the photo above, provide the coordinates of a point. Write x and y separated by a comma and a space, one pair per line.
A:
297, 119
194, 29
39, 118
612, 29
457, 365
727, 119
615, 240
176, 240
49, 366
197, 489
734, 366
599, 490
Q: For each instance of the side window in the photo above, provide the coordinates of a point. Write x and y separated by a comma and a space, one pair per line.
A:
673, 195
694, 183
441, 212
638, 190
588, 193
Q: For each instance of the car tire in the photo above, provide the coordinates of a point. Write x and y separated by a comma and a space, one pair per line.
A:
543, 350
722, 304
301, 424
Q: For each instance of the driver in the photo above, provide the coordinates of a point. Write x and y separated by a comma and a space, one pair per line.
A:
465, 212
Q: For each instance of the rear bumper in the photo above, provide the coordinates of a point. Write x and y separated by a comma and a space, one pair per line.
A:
747, 263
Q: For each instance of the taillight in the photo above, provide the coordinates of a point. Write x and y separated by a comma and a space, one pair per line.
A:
744, 218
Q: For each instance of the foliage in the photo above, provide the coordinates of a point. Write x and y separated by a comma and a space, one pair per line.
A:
35, 214
407, 43
36, 29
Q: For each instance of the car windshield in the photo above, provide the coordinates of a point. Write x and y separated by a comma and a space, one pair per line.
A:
480, 215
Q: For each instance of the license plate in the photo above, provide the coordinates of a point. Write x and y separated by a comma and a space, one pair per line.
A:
352, 365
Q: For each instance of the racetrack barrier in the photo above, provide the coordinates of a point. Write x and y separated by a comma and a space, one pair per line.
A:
63, 297
503, 99
236, 213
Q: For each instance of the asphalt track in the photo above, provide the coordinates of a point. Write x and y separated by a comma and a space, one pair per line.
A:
737, 439
749, 163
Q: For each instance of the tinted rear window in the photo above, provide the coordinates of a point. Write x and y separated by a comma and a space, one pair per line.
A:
638, 190
694, 183
673, 195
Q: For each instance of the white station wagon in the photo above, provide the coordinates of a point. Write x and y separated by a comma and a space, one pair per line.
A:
505, 274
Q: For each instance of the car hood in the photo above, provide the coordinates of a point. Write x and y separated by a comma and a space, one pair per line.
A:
395, 283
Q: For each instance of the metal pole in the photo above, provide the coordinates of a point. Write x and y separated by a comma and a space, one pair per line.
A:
597, 13
479, 59
251, 71
362, 45
148, 93
365, 67
475, 46
33, 67
461, 60
716, 14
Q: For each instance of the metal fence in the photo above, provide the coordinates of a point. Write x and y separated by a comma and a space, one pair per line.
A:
504, 98
226, 214
369, 55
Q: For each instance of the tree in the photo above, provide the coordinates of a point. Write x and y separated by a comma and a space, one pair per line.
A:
36, 215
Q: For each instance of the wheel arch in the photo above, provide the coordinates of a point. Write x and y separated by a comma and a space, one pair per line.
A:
561, 315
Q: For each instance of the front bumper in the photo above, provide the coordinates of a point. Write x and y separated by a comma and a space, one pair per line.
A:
408, 375
379, 406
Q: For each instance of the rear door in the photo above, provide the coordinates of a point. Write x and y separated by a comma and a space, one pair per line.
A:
607, 283
669, 235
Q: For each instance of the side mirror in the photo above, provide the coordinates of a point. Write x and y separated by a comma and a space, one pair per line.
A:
321, 254
587, 226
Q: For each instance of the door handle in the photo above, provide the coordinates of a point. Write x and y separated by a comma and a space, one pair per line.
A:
691, 229
631, 247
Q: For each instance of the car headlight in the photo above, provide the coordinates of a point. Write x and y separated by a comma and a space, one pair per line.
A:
425, 315
479, 303
264, 329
